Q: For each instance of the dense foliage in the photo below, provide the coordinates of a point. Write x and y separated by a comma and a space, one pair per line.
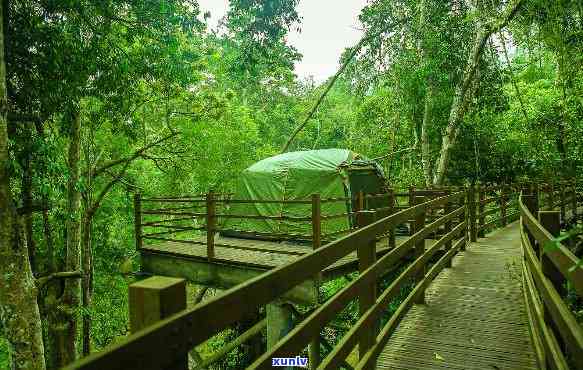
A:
109, 98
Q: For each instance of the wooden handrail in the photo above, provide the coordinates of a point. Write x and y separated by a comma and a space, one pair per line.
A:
550, 317
560, 255
298, 338
156, 346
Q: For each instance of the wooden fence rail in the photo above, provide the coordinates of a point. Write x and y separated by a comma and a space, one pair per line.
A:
547, 265
451, 216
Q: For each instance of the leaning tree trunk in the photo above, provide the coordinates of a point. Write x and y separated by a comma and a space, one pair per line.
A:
459, 105
460, 99
19, 313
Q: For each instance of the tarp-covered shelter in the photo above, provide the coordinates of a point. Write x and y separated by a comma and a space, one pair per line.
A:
332, 173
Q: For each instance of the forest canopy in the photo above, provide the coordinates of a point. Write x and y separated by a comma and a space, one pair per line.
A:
105, 99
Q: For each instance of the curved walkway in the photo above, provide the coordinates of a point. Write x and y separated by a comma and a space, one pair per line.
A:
474, 317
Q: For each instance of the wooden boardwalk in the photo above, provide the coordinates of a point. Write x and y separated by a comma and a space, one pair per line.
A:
474, 317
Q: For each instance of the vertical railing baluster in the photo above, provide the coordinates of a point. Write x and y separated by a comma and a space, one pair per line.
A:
562, 199
481, 207
411, 204
210, 225
316, 221
503, 205
472, 213
392, 228
138, 220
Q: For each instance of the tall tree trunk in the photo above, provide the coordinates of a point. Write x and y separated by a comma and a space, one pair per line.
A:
562, 81
460, 101
49, 301
425, 147
19, 311
27, 205
87, 282
72, 293
459, 105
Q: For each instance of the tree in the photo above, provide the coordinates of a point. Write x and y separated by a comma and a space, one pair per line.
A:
18, 307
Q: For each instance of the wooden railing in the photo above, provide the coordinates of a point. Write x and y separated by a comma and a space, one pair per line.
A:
445, 215
159, 346
188, 219
549, 269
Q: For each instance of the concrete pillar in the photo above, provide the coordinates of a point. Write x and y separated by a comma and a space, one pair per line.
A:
279, 322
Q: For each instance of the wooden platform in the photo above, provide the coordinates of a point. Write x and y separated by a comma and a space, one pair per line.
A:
257, 254
474, 316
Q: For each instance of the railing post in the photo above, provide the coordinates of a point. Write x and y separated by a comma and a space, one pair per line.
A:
391, 234
531, 203
420, 246
411, 204
449, 207
562, 200
551, 221
472, 212
316, 222
360, 201
368, 294
503, 209
535, 193
481, 218
154, 299
574, 201
465, 218
210, 225
138, 220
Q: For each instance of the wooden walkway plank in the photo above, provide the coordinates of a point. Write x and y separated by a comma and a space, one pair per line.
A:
474, 317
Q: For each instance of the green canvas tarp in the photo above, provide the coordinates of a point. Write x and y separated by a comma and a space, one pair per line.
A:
296, 176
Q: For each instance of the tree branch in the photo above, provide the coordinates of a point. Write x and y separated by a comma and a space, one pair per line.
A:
34, 207
352, 54
43, 280
394, 153
135, 155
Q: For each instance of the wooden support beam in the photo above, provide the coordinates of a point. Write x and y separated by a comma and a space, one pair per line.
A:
154, 299
219, 275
